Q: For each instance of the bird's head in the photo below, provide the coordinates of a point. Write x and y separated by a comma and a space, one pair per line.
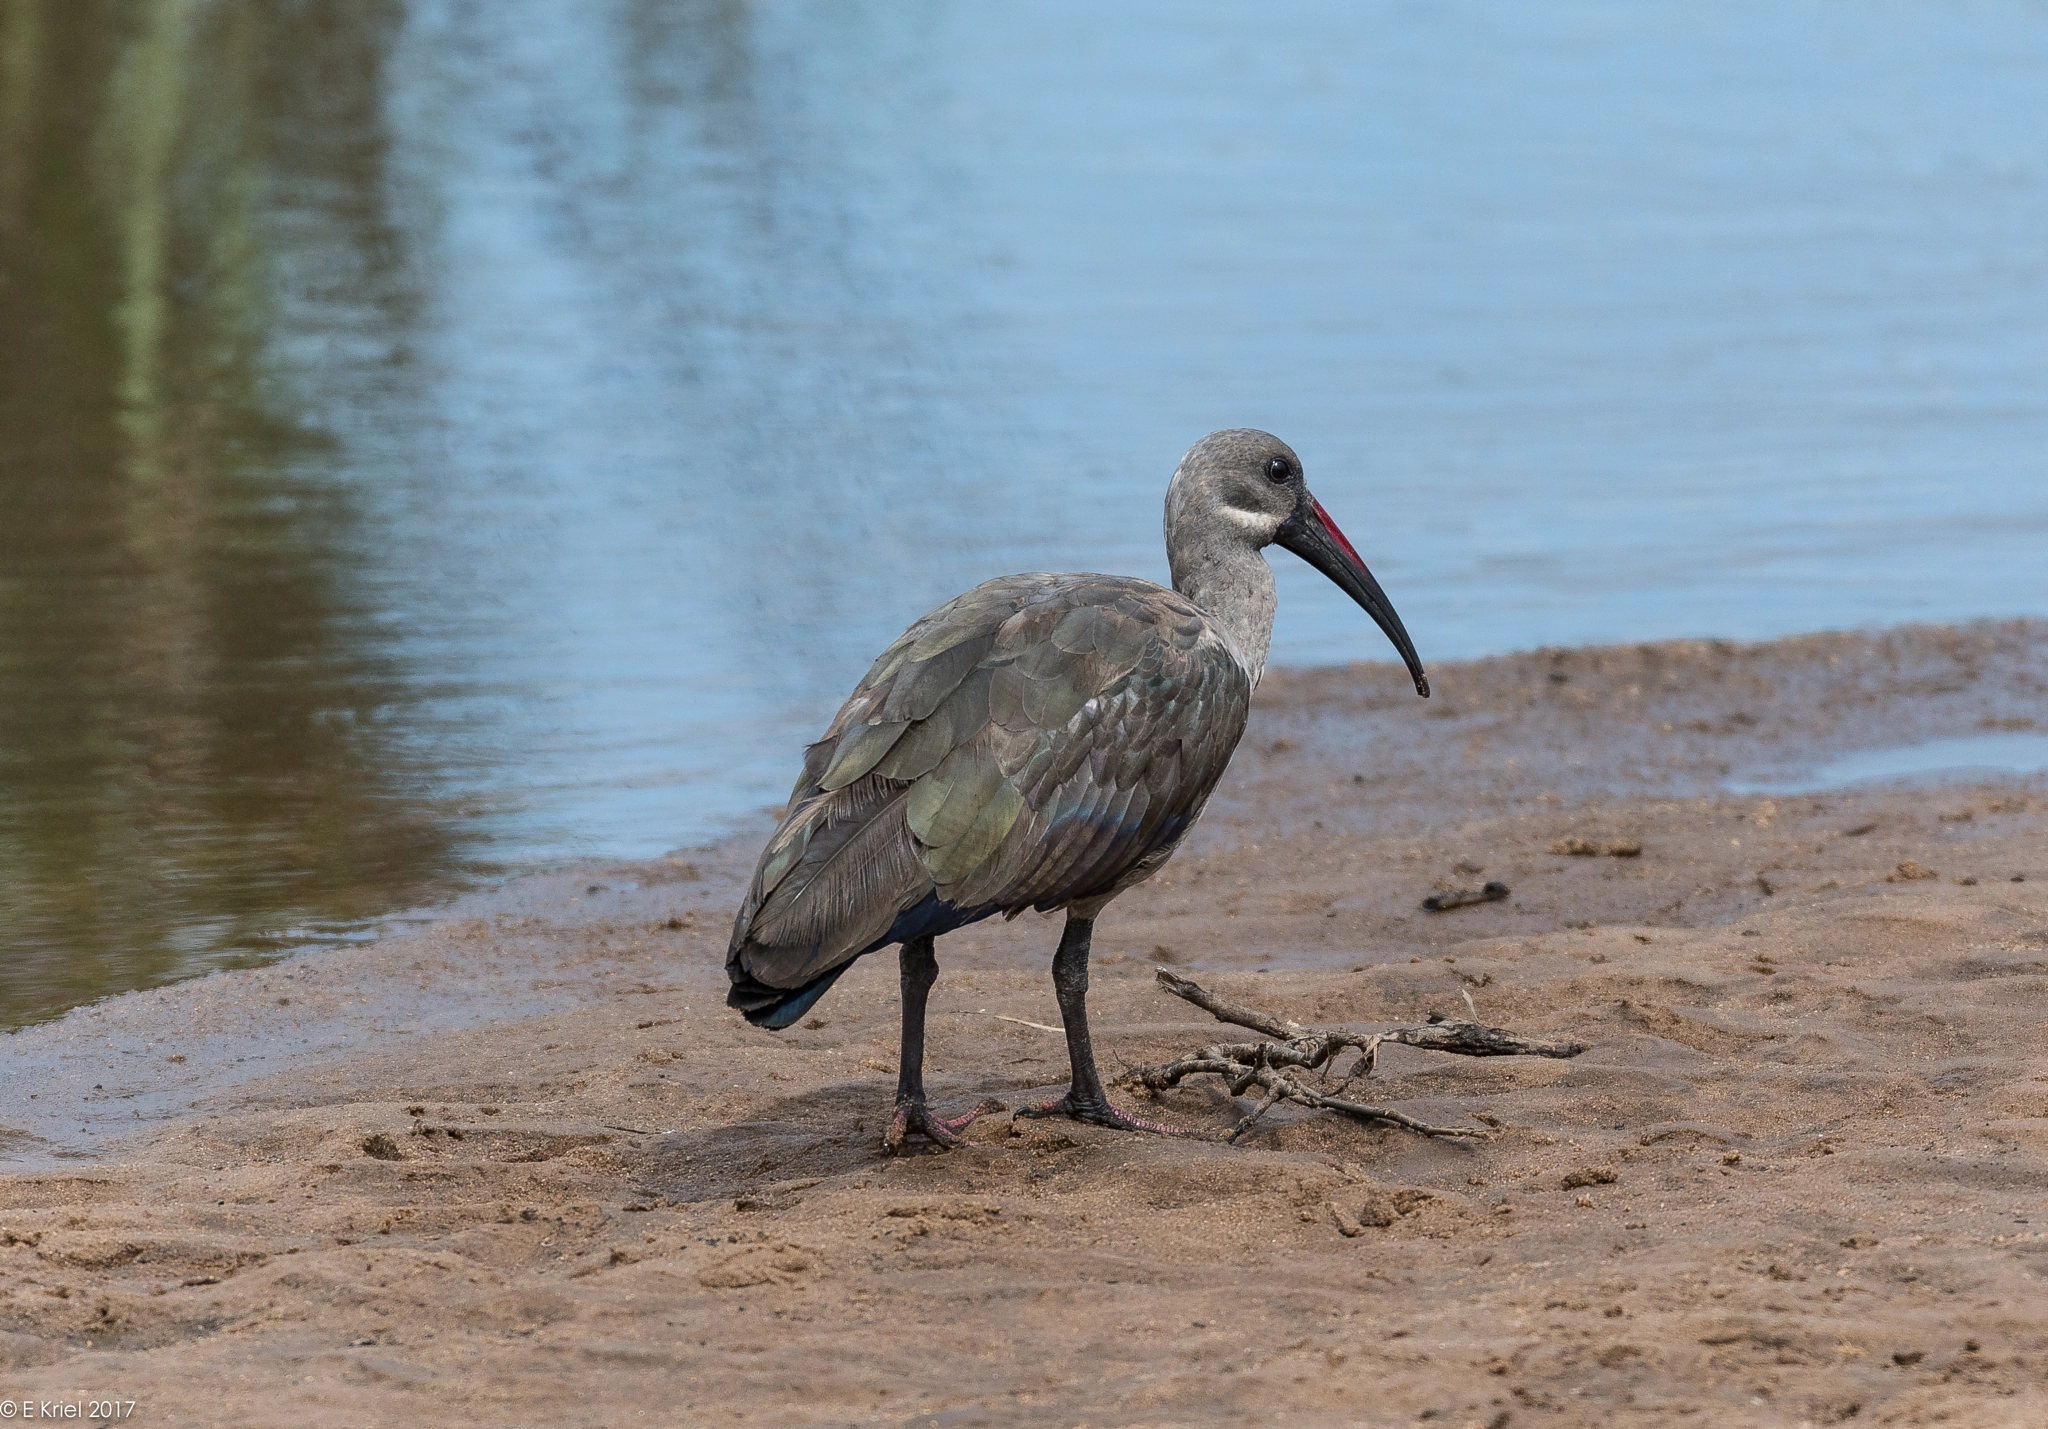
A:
1249, 484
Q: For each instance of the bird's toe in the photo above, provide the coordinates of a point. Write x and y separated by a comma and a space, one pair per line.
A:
1100, 1112
943, 1132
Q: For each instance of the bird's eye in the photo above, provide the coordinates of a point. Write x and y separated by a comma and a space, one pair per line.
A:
1278, 470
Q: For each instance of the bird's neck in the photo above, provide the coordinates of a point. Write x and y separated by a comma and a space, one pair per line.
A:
1232, 584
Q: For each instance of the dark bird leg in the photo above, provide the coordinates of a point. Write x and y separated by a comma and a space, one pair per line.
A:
1085, 1100
919, 970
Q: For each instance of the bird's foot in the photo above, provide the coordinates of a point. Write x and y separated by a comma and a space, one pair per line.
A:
1099, 1111
942, 1132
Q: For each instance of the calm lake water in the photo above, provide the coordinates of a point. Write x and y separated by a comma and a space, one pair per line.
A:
439, 439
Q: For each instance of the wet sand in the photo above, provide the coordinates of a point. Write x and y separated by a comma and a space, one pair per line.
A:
523, 1167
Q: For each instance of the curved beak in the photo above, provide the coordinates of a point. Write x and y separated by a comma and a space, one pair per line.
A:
1313, 536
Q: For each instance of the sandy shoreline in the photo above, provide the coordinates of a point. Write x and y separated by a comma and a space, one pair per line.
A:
523, 1167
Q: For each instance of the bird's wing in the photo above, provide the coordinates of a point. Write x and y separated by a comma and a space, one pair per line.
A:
842, 866
1028, 744
1113, 710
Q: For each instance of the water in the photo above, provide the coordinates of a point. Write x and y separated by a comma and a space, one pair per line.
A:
442, 439
2021, 753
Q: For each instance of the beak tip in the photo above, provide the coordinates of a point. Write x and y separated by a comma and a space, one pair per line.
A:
1422, 686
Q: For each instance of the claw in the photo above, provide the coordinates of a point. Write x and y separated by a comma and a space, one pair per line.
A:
942, 1132
1100, 1113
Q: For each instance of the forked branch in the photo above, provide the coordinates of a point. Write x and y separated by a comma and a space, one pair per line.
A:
1276, 1067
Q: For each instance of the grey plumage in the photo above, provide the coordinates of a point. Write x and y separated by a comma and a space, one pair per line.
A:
1043, 741
1030, 744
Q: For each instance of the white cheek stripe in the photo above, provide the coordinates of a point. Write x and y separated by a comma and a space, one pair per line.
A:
1261, 524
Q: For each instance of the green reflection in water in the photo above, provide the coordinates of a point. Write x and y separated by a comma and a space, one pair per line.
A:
193, 766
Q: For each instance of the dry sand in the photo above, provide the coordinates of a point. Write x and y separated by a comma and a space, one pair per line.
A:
522, 1167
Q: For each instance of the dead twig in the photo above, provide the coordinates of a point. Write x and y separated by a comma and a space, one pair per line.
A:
1275, 1067
1464, 897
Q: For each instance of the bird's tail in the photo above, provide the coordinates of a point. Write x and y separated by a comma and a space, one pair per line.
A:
777, 1007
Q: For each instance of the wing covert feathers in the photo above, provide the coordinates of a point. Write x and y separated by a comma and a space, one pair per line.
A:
1040, 740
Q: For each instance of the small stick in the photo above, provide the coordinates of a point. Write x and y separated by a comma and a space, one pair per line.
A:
1226, 1011
1276, 1089
1001, 1017
1471, 1039
1464, 897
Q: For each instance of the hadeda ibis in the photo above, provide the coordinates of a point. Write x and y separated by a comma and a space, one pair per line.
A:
1043, 741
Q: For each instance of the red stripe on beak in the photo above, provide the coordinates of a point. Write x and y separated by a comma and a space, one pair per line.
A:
1335, 534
